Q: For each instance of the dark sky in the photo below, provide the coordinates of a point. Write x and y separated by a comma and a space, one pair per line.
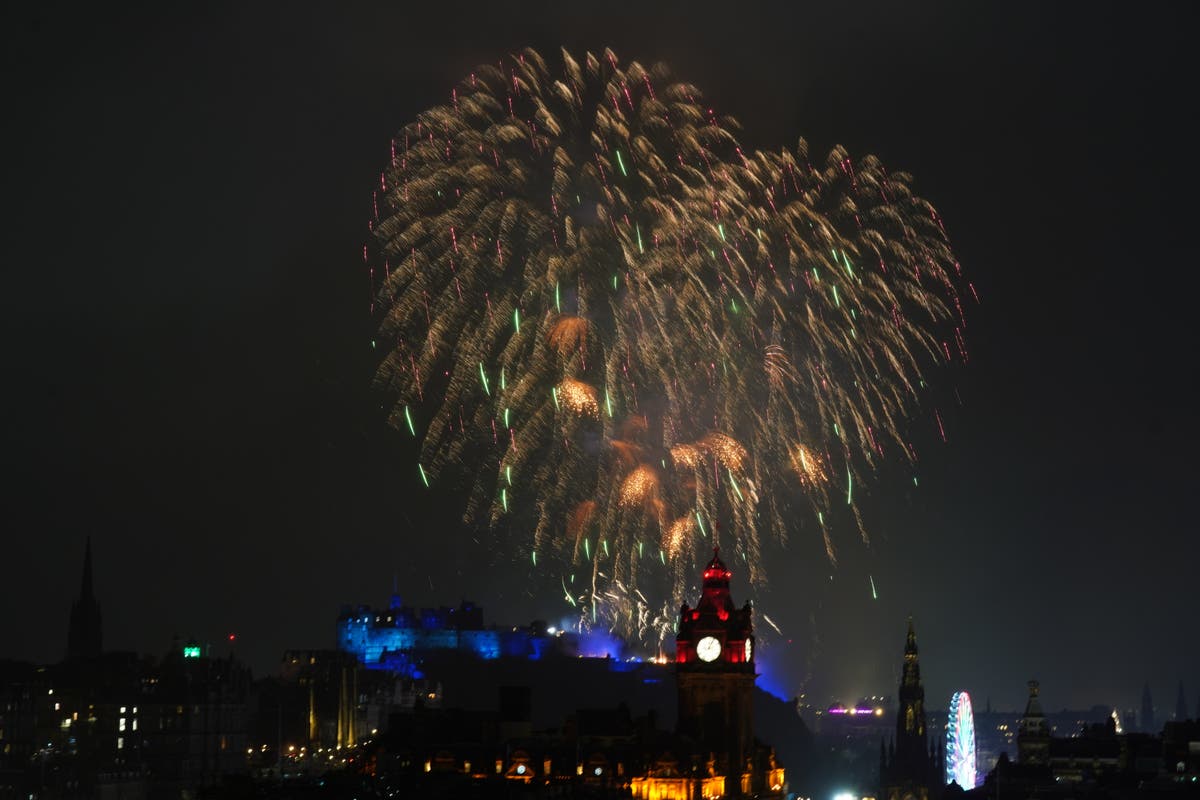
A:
185, 343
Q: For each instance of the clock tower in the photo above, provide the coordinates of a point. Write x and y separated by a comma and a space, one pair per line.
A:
714, 665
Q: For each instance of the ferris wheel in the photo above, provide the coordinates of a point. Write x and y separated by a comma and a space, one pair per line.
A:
960, 742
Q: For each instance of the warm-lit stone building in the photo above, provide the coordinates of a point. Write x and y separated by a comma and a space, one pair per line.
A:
714, 673
598, 752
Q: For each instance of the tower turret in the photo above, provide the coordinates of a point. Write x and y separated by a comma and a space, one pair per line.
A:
1033, 735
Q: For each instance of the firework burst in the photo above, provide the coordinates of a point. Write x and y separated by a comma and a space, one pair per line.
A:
618, 327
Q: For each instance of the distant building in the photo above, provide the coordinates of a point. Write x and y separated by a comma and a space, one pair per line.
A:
1095, 760
396, 639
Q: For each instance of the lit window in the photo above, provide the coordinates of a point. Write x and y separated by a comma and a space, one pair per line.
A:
121, 724
135, 724
122, 709
120, 742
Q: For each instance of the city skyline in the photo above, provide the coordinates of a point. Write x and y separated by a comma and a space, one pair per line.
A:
188, 337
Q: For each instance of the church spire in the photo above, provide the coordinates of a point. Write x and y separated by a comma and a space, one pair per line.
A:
84, 634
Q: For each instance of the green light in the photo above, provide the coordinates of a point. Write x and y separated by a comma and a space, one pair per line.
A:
508, 474
849, 486
721, 230
700, 522
621, 164
191, 651
408, 419
836, 300
608, 402
504, 501
639, 237
587, 548
735, 486
554, 394
534, 556
640, 549
662, 556
557, 297
821, 517
506, 425
483, 379
915, 481
874, 594
614, 281
604, 542
424, 477
503, 382
517, 319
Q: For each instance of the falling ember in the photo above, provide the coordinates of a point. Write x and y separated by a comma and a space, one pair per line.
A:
807, 465
569, 336
777, 366
579, 398
686, 455
676, 536
726, 449
640, 486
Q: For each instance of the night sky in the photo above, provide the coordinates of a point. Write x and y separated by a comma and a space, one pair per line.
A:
186, 335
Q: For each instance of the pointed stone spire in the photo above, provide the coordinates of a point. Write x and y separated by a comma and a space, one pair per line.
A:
84, 636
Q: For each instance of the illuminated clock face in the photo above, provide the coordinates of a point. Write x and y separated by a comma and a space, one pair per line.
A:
708, 648
749, 649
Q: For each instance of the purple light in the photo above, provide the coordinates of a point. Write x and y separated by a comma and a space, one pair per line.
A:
856, 711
